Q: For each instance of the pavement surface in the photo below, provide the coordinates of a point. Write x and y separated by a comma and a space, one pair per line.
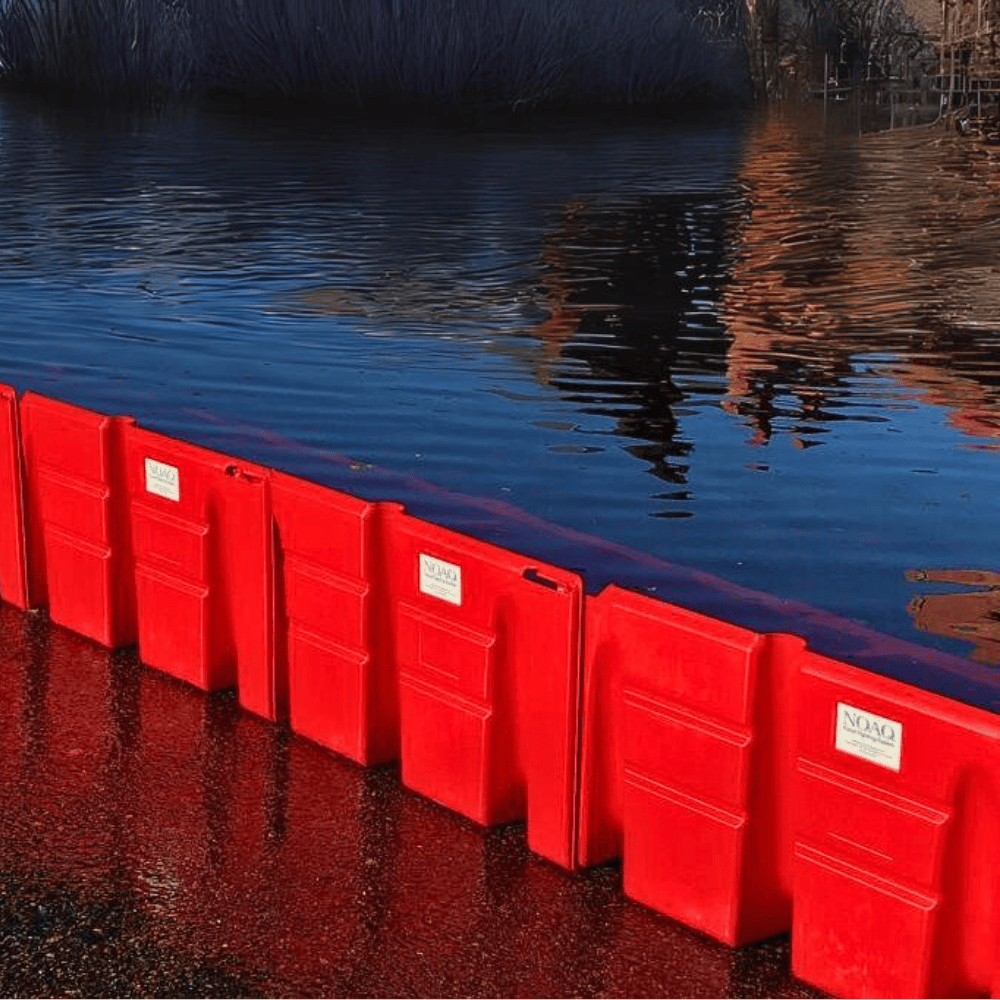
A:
160, 842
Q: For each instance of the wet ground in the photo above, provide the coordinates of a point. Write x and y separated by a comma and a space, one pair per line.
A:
160, 842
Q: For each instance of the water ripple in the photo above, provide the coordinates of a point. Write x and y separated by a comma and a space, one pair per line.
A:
741, 345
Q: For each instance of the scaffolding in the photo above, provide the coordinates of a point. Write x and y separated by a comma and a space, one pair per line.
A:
969, 51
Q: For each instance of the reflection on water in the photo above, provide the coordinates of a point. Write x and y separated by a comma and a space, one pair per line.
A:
879, 248
632, 293
883, 245
970, 615
766, 348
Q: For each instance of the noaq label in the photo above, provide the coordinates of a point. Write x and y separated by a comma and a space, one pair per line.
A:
869, 736
163, 480
440, 579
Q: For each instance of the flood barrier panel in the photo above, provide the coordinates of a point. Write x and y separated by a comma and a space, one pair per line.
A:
202, 535
79, 543
896, 881
686, 763
13, 543
488, 652
732, 772
333, 645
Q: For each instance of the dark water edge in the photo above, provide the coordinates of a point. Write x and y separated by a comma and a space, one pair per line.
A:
160, 842
684, 105
691, 107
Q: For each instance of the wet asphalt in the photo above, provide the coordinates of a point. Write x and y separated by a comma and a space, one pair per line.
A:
160, 842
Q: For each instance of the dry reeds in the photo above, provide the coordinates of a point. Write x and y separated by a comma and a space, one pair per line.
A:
367, 53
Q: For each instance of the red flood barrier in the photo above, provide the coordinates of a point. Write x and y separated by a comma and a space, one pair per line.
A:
202, 534
79, 546
897, 889
332, 641
687, 757
488, 653
13, 544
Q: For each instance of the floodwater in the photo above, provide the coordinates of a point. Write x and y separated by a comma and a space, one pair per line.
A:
762, 347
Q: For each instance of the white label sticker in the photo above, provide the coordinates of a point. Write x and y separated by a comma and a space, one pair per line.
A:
440, 579
163, 480
869, 736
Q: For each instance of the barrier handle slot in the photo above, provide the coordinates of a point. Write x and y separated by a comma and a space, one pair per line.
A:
235, 472
534, 576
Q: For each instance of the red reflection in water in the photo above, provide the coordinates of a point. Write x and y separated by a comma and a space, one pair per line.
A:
971, 616
859, 247
251, 862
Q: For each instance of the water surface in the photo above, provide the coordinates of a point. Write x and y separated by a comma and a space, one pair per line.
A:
760, 346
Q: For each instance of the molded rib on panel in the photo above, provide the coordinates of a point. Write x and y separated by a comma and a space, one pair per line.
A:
80, 553
897, 891
488, 653
202, 535
686, 769
13, 544
334, 657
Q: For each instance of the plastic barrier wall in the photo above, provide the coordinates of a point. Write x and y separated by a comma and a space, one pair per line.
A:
202, 570
684, 730
487, 646
13, 558
748, 785
80, 553
896, 877
334, 672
